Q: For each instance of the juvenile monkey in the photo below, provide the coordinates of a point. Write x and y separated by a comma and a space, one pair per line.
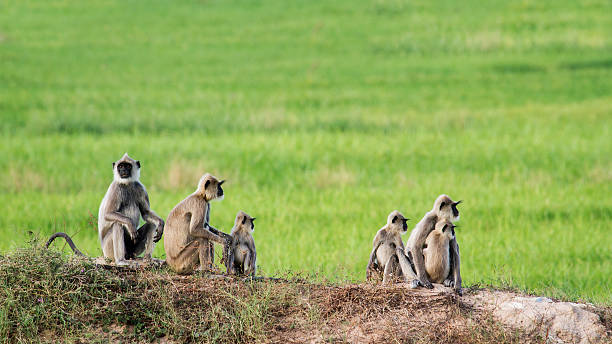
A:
388, 251
243, 245
437, 253
444, 209
188, 234
126, 200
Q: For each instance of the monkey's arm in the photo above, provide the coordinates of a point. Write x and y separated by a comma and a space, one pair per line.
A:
199, 231
149, 215
417, 253
455, 267
372, 265
254, 258
112, 215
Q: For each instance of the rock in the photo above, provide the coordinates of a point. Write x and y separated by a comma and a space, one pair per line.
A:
558, 322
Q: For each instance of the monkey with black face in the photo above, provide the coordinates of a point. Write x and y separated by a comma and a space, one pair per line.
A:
444, 209
388, 255
125, 202
189, 236
243, 245
437, 253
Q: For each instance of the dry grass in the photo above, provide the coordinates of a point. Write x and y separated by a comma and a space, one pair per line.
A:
49, 297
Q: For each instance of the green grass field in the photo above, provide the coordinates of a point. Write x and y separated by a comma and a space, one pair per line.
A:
323, 117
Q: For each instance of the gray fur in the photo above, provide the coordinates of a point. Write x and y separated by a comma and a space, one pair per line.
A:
125, 202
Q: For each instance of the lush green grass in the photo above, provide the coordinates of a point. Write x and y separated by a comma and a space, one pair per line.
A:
324, 117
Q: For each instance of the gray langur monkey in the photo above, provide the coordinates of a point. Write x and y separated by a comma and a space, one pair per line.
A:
388, 255
444, 209
437, 252
189, 236
243, 245
124, 203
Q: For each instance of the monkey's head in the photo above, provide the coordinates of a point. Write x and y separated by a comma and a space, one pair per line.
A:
396, 221
126, 170
445, 228
244, 220
446, 208
210, 187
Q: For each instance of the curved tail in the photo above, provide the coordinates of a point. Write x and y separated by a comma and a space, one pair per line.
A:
68, 240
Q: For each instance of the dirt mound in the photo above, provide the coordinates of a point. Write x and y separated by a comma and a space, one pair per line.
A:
49, 298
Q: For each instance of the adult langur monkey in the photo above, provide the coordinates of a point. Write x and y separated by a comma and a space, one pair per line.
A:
388, 255
444, 209
124, 203
188, 234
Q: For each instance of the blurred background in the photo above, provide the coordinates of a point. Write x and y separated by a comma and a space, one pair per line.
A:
323, 117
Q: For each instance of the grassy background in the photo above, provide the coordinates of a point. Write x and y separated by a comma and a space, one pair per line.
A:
324, 117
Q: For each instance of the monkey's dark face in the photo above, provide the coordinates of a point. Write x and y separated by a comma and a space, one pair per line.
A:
124, 169
400, 221
220, 189
249, 223
455, 210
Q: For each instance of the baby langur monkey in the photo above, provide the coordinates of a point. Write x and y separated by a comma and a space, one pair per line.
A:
444, 209
188, 234
388, 252
243, 245
437, 253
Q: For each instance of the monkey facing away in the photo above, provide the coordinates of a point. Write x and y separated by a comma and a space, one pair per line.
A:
388, 252
437, 252
444, 209
243, 245
189, 235
124, 203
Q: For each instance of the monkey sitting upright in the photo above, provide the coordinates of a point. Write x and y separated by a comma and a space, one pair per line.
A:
388, 251
188, 234
437, 252
124, 203
444, 209
243, 245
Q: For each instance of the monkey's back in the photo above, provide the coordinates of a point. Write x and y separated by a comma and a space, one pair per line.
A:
437, 257
176, 231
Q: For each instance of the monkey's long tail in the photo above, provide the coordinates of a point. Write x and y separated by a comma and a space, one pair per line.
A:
68, 240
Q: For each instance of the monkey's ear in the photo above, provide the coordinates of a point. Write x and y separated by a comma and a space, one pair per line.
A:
206, 184
138, 163
253, 219
444, 228
457, 203
221, 182
113, 165
244, 220
394, 219
442, 205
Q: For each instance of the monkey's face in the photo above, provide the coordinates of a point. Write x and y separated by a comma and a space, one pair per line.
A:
212, 188
445, 228
447, 209
398, 222
126, 169
249, 223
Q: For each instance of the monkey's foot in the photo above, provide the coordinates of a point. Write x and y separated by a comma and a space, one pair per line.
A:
122, 263
449, 283
414, 283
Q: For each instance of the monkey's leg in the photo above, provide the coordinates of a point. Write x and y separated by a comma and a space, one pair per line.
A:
406, 268
391, 269
118, 237
246, 264
211, 246
205, 254
144, 240
187, 260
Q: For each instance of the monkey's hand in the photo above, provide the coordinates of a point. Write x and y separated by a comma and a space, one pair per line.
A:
132, 231
159, 232
449, 283
425, 282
